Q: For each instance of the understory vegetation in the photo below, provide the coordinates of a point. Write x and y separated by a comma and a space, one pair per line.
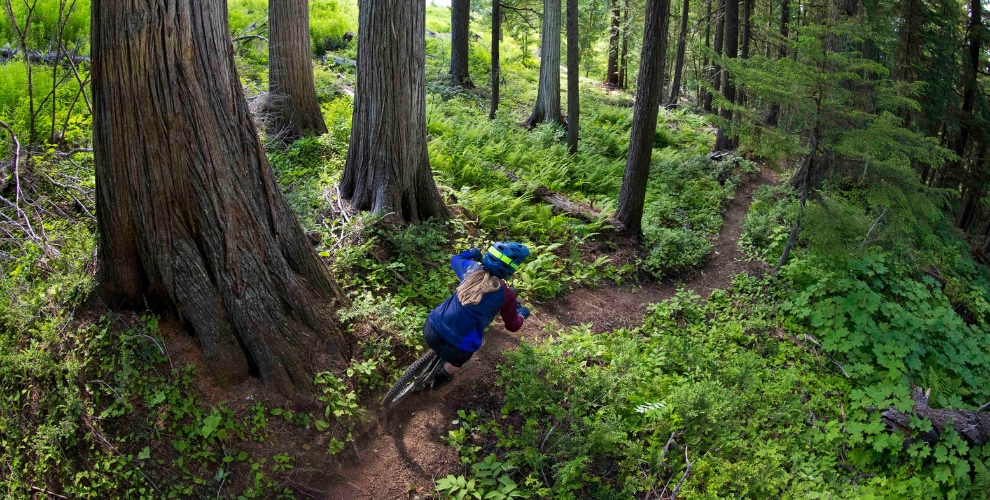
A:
771, 388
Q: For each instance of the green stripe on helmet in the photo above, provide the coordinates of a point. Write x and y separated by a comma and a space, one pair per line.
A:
500, 256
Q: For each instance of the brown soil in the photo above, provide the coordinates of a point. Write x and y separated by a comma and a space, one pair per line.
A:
402, 453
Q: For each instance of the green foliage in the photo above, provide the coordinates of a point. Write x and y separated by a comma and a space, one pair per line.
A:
328, 21
757, 412
891, 328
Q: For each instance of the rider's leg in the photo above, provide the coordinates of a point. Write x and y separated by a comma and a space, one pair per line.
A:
451, 369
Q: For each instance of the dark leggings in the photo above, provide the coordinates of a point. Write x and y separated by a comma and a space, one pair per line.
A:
447, 351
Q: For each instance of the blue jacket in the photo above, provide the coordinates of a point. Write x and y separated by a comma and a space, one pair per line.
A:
463, 326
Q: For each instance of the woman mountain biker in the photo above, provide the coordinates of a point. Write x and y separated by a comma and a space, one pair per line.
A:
454, 329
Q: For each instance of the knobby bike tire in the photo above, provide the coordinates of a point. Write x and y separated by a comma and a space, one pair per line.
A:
399, 390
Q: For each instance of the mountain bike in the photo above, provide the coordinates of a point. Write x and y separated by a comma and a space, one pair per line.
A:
417, 377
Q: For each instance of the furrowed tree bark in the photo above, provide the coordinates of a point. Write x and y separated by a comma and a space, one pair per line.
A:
716, 72
189, 211
612, 65
387, 169
496, 66
971, 425
292, 108
632, 196
573, 77
785, 19
722, 139
460, 24
547, 108
675, 86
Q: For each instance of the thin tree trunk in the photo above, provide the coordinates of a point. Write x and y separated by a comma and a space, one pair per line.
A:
716, 72
496, 67
292, 108
190, 213
573, 76
703, 95
547, 106
746, 39
623, 59
632, 196
785, 19
387, 169
460, 24
612, 65
969, 93
675, 86
722, 139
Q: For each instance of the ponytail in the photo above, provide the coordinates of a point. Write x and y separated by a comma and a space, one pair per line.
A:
476, 285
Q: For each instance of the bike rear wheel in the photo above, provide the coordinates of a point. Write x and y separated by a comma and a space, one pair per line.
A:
413, 379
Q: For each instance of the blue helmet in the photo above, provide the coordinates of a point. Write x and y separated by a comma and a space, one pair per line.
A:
504, 257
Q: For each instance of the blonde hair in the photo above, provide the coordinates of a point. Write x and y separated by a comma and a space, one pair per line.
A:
476, 285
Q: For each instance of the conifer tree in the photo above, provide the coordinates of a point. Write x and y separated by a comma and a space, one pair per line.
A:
547, 108
649, 94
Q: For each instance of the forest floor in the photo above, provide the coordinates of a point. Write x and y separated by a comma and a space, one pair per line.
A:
402, 453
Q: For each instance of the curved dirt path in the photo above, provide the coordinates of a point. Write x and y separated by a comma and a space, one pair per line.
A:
403, 453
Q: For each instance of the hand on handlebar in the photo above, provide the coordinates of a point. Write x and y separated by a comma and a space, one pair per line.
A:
522, 311
476, 255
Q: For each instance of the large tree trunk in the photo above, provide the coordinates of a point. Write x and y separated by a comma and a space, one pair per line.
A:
612, 65
460, 23
716, 72
496, 66
547, 106
675, 86
785, 19
722, 139
573, 76
649, 88
387, 169
189, 211
292, 109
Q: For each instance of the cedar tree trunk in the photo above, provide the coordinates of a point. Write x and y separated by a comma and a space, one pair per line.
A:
387, 169
573, 75
189, 211
548, 91
292, 108
648, 96
675, 86
722, 140
496, 67
460, 22
612, 66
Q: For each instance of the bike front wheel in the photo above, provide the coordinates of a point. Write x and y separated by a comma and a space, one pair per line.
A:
413, 379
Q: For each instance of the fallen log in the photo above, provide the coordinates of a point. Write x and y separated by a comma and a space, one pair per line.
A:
972, 425
559, 204
38, 57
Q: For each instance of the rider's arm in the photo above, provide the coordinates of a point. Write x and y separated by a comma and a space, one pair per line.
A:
513, 320
462, 262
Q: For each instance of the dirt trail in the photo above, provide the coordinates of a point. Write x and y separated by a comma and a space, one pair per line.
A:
402, 454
